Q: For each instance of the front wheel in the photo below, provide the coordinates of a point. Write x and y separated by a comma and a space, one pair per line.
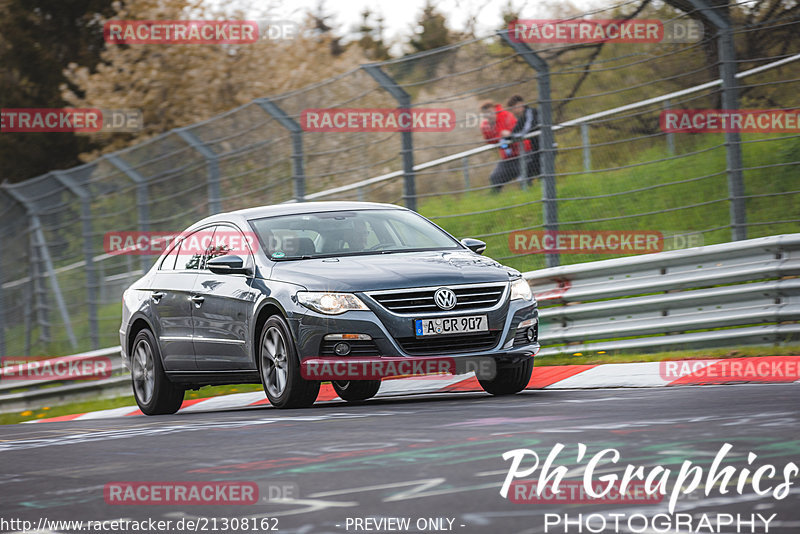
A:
510, 378
153, 391
280, 368
356, 390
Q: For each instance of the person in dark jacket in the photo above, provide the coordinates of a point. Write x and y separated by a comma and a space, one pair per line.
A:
527, 122
496, 127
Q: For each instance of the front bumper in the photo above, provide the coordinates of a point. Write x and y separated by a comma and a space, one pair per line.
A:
389, 330
123, 344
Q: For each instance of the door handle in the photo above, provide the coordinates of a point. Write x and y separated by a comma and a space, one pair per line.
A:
197, 299
158, 295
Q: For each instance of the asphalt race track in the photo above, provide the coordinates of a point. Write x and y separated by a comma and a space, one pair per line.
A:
435, 460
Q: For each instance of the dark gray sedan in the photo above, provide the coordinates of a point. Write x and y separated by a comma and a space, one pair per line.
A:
257, 295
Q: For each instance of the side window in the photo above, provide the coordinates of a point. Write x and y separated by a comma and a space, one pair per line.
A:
168, 264
226, 240
190, 255
219, 244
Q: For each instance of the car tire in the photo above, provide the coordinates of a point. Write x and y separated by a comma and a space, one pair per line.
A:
279, 367
510, 378
152, 389
356, 390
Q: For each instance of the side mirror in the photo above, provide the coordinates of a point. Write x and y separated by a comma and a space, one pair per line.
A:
475, 245
228, 265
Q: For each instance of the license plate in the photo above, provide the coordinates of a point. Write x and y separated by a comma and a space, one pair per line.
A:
451, 325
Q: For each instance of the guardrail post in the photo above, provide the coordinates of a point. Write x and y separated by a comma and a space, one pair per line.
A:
546, 140
587, 151
43, 254
730, 100
404, 102
88, 252
666, 106
214, 202
465, 169
296, 131
2, 310
38, 292
28, 318
142, 205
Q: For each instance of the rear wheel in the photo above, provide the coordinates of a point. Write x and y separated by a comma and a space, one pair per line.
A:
510, 378
153, 391
356, 390
279, 367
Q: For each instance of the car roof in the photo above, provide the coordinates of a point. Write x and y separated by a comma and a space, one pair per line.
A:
293, 208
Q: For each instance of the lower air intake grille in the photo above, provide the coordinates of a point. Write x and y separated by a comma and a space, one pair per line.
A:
357, 348
449, 344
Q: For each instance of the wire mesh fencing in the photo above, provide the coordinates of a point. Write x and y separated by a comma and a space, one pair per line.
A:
609, 165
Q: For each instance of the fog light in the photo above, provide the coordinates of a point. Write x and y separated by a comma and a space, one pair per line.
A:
530, 334
341, 349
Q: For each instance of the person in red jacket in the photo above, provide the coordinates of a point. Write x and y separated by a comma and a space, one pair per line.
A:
496, 126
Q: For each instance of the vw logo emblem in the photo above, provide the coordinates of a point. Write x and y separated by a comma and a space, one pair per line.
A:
445, 298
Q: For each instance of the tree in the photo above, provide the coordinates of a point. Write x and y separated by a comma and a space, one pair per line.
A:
177, 85
324, 30
38, 39
371, 40
431, 30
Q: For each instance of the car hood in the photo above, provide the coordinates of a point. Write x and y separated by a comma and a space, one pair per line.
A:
392, 271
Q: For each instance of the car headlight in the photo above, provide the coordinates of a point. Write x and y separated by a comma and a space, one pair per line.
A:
521, 290
330, 303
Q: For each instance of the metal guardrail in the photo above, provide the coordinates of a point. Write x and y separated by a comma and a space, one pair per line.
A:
671, 300
745, 290
26, 394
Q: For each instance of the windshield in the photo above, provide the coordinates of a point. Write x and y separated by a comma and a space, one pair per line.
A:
348, 233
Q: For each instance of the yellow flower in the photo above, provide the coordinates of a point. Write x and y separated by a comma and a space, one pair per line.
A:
26, 413
46, 408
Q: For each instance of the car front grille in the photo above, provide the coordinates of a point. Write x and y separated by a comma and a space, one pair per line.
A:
448, 344
421, 301
357, 348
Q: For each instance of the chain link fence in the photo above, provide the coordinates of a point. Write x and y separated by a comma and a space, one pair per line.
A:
605, 162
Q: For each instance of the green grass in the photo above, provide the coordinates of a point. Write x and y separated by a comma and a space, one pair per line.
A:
488, 216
